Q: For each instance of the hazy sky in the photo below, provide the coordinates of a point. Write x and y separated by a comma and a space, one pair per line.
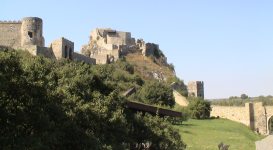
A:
227, 44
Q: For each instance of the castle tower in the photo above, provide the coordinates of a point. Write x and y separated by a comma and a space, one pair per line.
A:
196, 88
32, 31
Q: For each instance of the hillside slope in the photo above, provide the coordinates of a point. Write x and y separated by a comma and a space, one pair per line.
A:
150, 68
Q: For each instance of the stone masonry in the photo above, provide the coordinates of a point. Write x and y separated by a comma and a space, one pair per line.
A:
28, 35
254, 115
107, 45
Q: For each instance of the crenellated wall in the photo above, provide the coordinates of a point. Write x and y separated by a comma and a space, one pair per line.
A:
10, 33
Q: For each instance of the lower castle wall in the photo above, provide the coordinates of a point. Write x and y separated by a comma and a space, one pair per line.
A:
80, 58
238, 114
106, 56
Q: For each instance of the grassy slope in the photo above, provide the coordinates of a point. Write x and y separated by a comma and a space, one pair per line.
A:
207, 134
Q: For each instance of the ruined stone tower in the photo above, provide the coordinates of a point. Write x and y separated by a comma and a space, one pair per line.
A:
196, 88
32, 31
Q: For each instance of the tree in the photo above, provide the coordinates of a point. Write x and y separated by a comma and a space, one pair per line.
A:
199, 108
244, 96
155, 92
48, 104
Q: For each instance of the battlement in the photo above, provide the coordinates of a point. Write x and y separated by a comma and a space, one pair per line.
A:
11, 22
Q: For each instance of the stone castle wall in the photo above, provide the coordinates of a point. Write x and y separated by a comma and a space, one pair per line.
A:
10, 33
238, 114
83, 58
28, 35
254, 115
103, 40
107, 56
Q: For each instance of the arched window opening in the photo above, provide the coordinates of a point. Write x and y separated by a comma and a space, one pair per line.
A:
70, 53
65, 52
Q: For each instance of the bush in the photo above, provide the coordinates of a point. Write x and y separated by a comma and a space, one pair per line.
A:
171, 66
155, 92
200, 108
186, 114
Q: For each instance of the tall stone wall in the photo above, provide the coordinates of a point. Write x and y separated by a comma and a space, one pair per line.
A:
10, 33
254, 115
62, 48
45, 51
238, 114
107, 56
149, 49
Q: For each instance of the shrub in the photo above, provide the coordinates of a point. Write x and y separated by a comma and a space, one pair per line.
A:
200, 108
155, 92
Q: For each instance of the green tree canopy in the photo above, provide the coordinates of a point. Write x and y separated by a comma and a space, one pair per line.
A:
48, 104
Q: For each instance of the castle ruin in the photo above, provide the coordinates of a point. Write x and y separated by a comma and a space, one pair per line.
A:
28, 35
107, 45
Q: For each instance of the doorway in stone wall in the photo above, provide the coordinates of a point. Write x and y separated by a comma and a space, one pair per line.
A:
270, 125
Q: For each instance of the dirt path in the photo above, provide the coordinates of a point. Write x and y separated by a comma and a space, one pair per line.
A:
265, 144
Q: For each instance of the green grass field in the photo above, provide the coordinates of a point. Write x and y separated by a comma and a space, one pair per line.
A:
207, 134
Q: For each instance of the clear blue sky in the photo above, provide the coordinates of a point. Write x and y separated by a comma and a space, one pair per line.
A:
227, 44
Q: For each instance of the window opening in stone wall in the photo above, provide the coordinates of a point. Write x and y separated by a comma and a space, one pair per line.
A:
30, 34
65, 52
70, 54
11, 26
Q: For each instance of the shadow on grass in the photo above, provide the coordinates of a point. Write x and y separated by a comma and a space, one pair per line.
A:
188, 132
188, 125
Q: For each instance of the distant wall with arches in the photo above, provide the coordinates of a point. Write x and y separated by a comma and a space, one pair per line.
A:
254, 115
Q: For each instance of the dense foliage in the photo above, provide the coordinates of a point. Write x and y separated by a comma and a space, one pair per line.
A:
199, 108
48, 104
240, 101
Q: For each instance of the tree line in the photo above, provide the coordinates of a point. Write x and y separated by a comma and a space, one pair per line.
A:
47, 104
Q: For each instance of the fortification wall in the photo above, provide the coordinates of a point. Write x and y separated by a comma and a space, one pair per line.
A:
32, 49
62, 48
179, 99
238, 114
107, 56
46, 51
100, 59
10, 33
120, 38
86, 59
57, 47
149, 49
269, 110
